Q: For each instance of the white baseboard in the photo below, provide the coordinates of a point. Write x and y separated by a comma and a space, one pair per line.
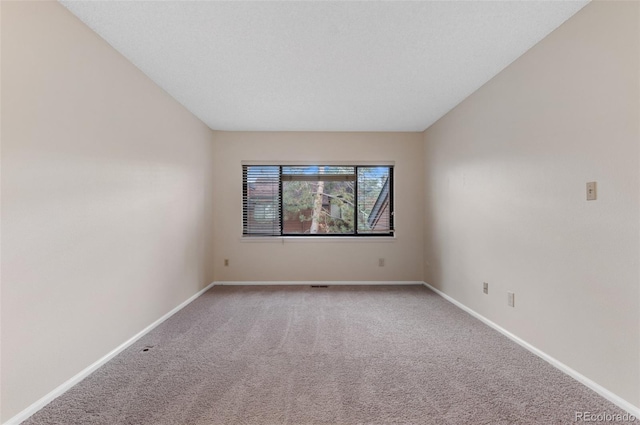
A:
615, 399
26, 413
317, 282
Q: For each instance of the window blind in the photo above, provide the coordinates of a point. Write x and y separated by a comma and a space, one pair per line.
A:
375, 200
261, 200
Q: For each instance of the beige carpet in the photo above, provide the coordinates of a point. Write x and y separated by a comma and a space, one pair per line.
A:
337, 355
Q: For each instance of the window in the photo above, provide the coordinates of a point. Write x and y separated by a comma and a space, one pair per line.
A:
265, 211
318, 200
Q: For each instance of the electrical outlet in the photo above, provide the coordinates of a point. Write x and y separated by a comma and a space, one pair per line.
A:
226, 262
511, 299
380, 262
485, 287
592, 191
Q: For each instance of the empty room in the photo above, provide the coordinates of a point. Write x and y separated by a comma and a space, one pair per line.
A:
319, 212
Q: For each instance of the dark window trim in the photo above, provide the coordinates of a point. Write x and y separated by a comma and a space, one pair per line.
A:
335, 177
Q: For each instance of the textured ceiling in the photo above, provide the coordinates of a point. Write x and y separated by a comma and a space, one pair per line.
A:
322, 66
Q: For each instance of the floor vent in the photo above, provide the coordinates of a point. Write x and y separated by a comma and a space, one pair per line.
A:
319, 286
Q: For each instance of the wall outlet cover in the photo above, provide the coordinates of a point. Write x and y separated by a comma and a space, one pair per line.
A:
592, 191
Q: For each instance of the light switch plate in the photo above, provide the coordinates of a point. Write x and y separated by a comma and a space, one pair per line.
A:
592, 191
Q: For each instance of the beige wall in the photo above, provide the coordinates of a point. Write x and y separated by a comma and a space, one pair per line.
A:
293, 259
106, 185
505, 197
107, 200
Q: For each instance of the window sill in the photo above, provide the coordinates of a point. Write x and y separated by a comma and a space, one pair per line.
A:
315, 239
